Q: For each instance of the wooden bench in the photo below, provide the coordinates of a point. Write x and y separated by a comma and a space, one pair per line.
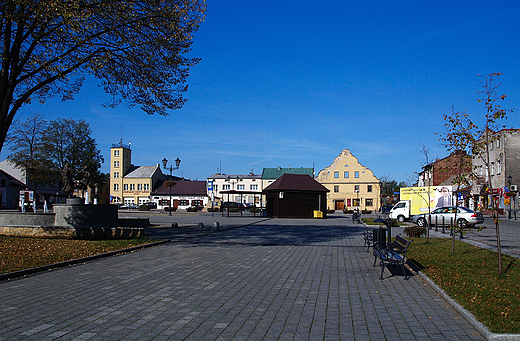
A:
395, 254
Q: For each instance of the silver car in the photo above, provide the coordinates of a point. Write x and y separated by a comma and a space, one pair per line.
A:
446, 216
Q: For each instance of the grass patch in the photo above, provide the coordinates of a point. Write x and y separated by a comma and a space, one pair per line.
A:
24, 253
370, 221
471, 278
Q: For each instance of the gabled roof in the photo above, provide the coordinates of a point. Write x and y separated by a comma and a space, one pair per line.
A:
275, 173
296, 182
12, 180
183, 187
141, 172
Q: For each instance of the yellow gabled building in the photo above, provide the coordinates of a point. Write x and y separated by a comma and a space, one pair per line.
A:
131, 184
351, 185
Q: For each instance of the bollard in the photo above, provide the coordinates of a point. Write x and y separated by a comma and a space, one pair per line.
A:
175, 225
216, 226
201, 225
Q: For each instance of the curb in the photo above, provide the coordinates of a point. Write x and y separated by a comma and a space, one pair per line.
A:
26, 272
469, 316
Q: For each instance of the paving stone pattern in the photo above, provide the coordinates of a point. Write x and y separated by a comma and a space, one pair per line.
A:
272, 280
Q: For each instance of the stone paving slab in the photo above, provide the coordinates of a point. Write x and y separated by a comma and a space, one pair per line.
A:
272, 280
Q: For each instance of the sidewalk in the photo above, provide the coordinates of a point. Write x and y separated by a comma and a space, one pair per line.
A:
272, 280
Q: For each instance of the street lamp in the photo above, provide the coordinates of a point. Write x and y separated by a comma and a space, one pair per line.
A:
177, 163
509, 179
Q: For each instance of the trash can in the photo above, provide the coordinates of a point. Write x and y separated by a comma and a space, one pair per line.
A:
379, 238
318, 214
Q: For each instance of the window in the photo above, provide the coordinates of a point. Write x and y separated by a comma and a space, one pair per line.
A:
139, 187
369, 202
356, 188
492, 168
225, 187
116, 164
356, 174
345, 174
369, 188
146, 187
132, 187
336, 175
499, 167
355, 202
241, 187
116, 187
215, 187
116, 175
498, 143
116, 152
336, 189
196, 202
184, 202
253, 187
125, 187
2, 182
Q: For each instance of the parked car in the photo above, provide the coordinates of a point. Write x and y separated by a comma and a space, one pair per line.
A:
446, 215
128, 206
150, 204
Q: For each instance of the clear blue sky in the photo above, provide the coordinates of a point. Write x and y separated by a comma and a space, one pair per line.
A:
293, 83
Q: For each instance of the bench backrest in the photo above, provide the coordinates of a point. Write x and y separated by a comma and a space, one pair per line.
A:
401, 244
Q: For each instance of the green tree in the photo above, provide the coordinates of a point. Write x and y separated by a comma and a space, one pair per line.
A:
463, 133
67, 142
136, 48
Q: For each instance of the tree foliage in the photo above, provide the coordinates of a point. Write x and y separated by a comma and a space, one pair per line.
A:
25, 145
463, 133
44, 150
137, 49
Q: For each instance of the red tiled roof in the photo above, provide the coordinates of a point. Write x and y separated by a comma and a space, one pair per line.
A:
296, 182
183, 187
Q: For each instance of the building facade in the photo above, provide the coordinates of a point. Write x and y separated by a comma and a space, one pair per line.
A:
350, 184
246, 188
440, 171
502, 173
131, 184
184, 194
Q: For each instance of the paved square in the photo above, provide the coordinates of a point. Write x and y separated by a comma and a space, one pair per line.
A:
272, 280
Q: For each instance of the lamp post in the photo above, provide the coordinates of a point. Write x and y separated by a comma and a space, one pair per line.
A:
509, 179
177, 163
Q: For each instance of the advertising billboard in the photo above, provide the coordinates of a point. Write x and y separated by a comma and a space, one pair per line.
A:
419, 197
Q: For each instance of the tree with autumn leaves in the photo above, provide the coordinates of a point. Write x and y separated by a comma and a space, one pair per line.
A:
463, 133
136, 48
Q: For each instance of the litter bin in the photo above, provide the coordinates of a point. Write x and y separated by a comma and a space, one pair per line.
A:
379, 238
318, 214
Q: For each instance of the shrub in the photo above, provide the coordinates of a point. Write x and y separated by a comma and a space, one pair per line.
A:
331, 211
144, 208
254, 209
173, 209
347, 211
214, 209
415, 231
366, 212
192, 209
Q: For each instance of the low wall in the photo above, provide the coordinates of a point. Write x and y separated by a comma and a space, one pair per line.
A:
85, 215
26, 219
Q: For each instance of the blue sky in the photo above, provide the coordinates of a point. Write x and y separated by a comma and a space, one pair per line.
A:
293, 83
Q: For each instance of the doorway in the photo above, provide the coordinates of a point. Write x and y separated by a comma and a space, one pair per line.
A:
339, 205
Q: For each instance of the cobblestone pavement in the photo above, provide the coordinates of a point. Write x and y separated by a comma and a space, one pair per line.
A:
270, 280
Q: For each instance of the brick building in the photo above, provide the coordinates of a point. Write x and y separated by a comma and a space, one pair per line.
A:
438, 172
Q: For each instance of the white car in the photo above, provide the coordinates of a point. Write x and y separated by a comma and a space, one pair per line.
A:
446, 216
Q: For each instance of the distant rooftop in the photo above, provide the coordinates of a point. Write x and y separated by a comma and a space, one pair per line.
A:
141, 172
275, 173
